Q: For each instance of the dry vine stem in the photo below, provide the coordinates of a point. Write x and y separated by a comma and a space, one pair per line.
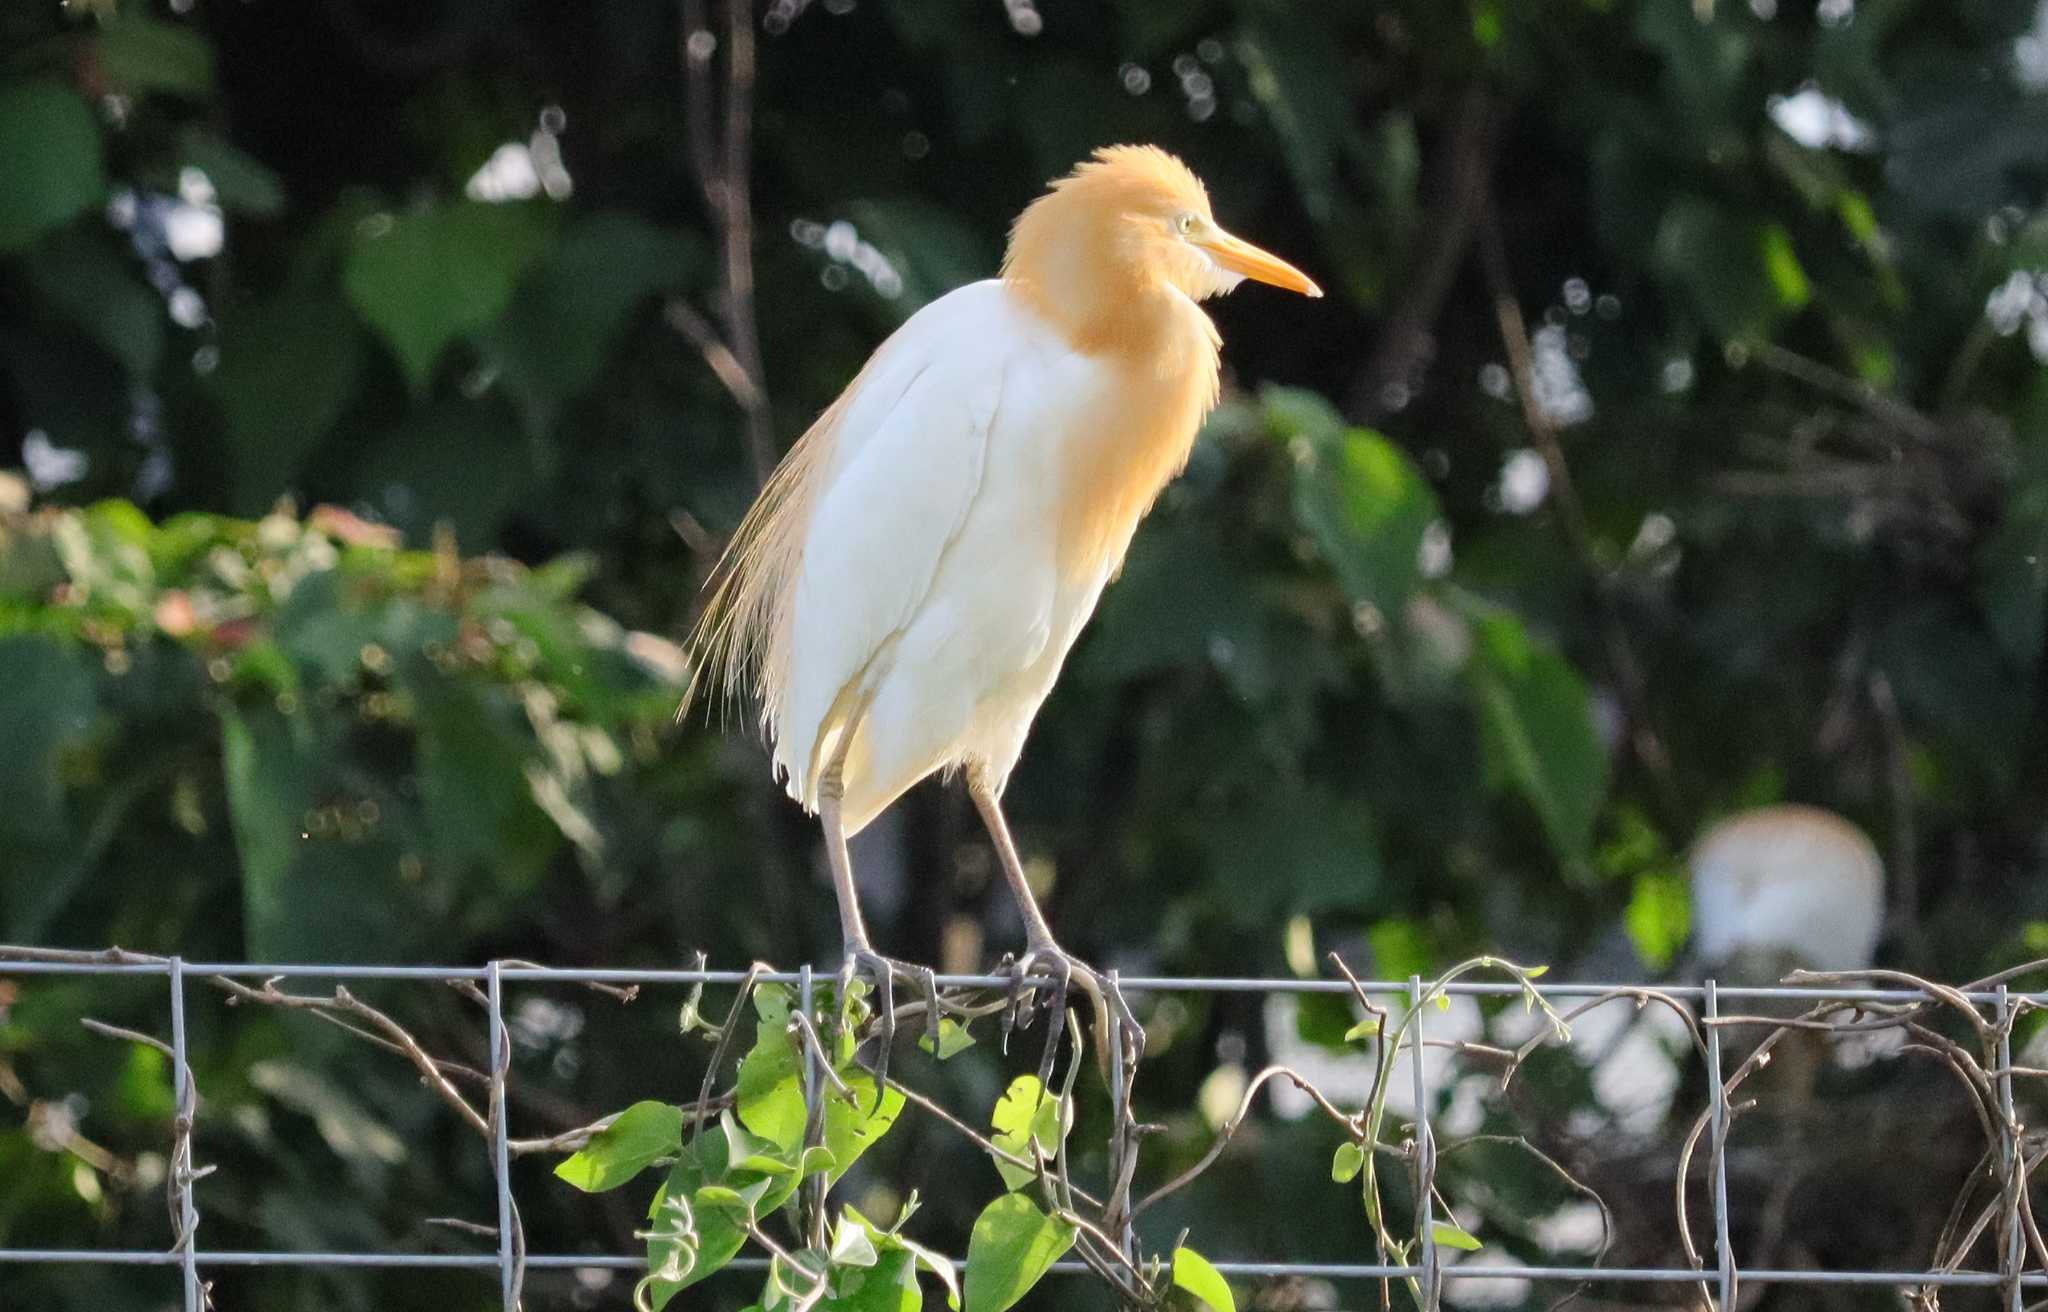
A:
1994, 1202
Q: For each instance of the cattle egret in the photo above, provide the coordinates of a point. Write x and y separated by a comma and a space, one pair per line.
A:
1782, 888
901, 596
1777, 889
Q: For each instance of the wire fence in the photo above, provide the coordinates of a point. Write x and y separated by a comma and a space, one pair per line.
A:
508, 1263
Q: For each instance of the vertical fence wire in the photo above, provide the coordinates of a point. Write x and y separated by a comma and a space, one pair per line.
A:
1724, 1251
184, 1171
814, 1113
1425, 1151
2014, 1176
501, 1152
1120, 1087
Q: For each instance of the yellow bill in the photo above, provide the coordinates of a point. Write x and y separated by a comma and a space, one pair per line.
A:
1242, 257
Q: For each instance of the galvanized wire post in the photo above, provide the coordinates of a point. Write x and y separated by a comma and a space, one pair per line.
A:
501, 1153
184, 1171
1123, 1139
1724, 1252
814, 1117
2009, 1154
1425, 1151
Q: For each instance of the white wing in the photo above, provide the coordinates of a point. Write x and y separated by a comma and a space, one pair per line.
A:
906, 467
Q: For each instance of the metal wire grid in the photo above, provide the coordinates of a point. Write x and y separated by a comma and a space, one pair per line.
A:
510, 1264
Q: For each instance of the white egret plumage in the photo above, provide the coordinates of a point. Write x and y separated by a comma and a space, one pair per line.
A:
902, 595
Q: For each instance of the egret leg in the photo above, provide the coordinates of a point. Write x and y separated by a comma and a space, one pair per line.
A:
853, 931
857, 952
1042, 950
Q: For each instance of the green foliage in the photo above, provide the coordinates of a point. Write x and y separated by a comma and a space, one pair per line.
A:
422, 280
1538, 730
144, 54
953, 1039
51, 154
643, 1134
1029, 1122
724, 1186
1194, 1273
1012, 1247
771, 1095
510, 701
1359, 496
700, 1214
554, 336
1659, 916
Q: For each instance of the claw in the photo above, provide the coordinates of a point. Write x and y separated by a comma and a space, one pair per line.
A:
885, 1024
1056, 1024
861, 961
1014, 1001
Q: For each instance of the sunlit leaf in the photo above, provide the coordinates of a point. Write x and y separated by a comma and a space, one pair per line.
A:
1198, 1276
1027, 1124
953, 1039
887, 1283
1012, 1246
1348, 1162
1658, 917
643, 1134
852, 1246
850, 1130
1450, 1236
719, 1232
771, 1092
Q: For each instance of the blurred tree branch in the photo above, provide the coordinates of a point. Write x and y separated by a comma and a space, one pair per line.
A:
1645, 743
1407, 340
723, 169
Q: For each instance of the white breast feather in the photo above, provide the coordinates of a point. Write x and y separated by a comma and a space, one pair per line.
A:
907, 466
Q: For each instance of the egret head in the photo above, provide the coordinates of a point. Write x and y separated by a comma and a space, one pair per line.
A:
1132, 218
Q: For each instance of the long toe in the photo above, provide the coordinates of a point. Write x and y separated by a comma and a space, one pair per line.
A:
885, 1021
1056, 1021
1015, 1014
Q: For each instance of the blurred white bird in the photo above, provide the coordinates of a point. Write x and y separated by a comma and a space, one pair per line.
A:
902, 595
1774, 890
1781, 888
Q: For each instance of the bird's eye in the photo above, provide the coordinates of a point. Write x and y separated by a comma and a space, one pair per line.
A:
1184, 222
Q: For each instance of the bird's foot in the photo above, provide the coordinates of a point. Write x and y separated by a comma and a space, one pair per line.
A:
864, 963
1048, 958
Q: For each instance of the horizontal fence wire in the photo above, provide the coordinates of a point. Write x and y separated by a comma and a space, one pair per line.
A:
133, 964
509, 1264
